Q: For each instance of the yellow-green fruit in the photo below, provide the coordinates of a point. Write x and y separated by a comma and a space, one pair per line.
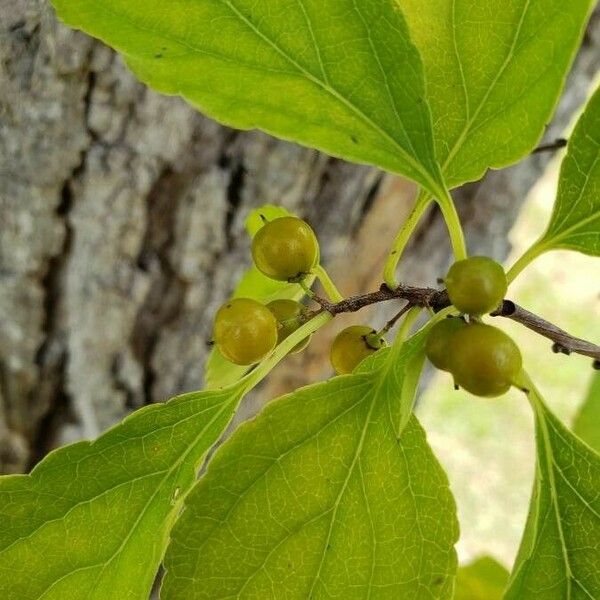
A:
351, 346
245, 331
436, 346
285, 248
476, 285
288, 313
484, 360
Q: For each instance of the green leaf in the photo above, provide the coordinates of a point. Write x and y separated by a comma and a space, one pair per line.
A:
219, 372
494, 72
92, 519
338, 75
587, 421
323, 495
575, 221
483, 579
560, 550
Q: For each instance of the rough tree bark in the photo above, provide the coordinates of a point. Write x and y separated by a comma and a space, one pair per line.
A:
121, 230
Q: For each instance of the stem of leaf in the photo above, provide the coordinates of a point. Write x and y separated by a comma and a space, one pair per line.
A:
411, 317
402, 238
527, 258
455, 230
388, 326
330, 289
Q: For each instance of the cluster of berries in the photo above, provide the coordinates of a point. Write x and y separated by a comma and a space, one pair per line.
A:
246, 331
482, 359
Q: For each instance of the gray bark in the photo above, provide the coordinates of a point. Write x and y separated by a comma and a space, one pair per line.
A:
121, 231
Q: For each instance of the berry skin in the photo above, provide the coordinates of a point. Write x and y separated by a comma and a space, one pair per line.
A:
285, 249
484, 360
288, 313
351, 346
436, 346
476, 285
245, 331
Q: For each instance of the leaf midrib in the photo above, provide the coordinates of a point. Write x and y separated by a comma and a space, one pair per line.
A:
469, 122
380, 375
551, 464
336, 504
553, 492
314, 40
335, 93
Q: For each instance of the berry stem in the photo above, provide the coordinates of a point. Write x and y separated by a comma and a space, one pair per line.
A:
330, 289
395, 319
403, 236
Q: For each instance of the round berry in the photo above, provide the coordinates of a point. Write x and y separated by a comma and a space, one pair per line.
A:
288, 314
476, 285
484, 360
285, 249
351, 346
436, 346
245, 331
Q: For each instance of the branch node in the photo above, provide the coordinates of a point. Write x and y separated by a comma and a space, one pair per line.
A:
558, 348
555, 145
506, 309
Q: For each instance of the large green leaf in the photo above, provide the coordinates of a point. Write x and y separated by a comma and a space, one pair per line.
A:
575, 221
560, 551
323, 495
338, 75
587, 421
483, 579
92, 520
219, 372
494, 72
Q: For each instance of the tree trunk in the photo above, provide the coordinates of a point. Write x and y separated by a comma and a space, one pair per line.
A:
121, 231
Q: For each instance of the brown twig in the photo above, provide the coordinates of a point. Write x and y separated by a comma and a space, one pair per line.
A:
555, 145
563, 342
438, 300
388, 326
